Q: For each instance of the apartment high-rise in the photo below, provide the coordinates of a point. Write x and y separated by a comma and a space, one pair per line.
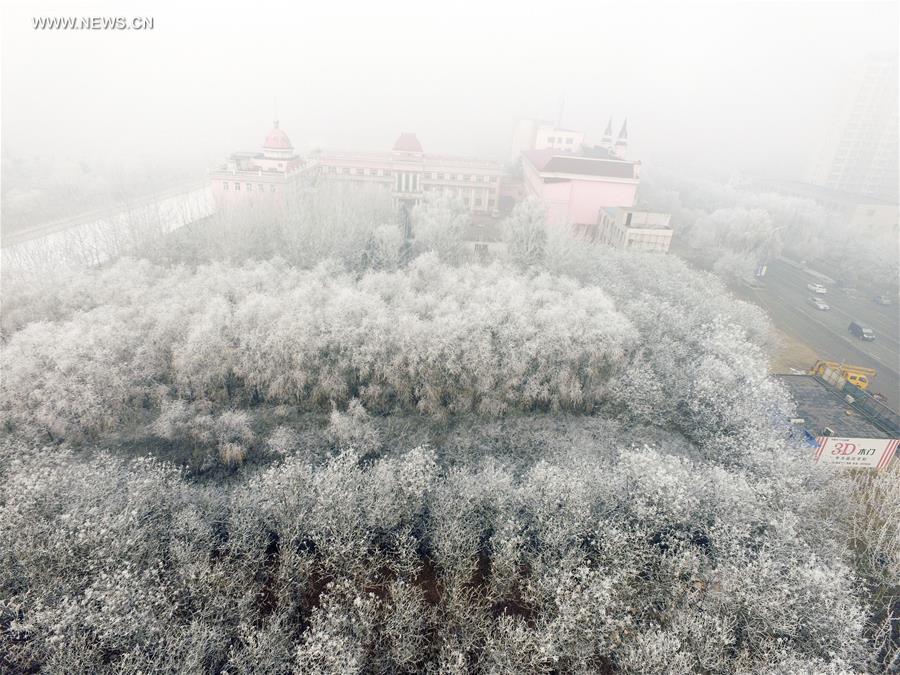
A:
860, 153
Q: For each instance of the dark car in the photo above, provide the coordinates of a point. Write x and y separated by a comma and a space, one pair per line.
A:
860, 331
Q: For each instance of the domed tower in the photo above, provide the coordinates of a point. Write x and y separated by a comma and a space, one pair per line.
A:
277, 144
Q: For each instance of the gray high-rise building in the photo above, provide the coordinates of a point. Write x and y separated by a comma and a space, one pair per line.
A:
860, 153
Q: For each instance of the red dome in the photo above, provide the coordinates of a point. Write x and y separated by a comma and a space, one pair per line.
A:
277, 139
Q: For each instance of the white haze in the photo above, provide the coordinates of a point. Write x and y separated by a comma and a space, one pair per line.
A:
705, 86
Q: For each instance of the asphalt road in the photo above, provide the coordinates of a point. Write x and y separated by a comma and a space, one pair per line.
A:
786, 299
105, 213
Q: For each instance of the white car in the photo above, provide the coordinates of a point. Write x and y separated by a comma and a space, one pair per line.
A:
819, 304
817, 288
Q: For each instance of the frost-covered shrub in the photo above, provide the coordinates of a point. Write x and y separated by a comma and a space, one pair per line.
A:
199, 435
432, 338
670, 530
593, 556
354, 428
282, 441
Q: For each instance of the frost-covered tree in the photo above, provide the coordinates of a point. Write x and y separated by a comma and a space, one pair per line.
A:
525, 232
439, 225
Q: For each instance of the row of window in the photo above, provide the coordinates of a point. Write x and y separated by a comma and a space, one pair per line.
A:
433, 175
260, 187
554, 139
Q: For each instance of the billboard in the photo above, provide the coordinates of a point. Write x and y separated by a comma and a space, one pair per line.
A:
872, 453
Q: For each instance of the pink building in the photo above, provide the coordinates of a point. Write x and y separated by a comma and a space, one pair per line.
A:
576, 184
263, 178
409, 173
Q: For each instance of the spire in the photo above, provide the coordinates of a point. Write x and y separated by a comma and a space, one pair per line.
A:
607, 136
622, 141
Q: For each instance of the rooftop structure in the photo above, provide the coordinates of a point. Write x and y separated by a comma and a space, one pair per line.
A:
543, 135
259, 178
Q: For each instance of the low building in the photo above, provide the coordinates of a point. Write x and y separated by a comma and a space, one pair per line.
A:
483, 238
634, 230
409, 173
264, 178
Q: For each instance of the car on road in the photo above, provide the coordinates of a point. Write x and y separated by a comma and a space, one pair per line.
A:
882, 300
819, 304
817, 288
858, 330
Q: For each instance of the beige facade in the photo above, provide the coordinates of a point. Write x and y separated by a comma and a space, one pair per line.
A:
634, 230
409, 174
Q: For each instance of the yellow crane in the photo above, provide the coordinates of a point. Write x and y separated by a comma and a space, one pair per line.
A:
859, 376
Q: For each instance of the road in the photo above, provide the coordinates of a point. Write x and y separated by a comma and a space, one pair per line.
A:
97, 236
106, 213
786, 300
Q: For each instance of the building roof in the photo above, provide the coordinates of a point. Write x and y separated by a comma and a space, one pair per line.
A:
550, 161
277, 139
820, 406
408, 143
597, 152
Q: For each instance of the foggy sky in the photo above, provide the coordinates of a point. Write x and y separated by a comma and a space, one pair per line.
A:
730, 86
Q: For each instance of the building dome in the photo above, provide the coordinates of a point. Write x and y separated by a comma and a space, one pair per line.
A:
277, 140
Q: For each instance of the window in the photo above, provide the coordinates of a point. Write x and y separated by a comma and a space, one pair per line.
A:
459, 176
568, 141
225, 184
380, 172
551, 139
261, 187
249, 187
237, 187
446, 176
272, 189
